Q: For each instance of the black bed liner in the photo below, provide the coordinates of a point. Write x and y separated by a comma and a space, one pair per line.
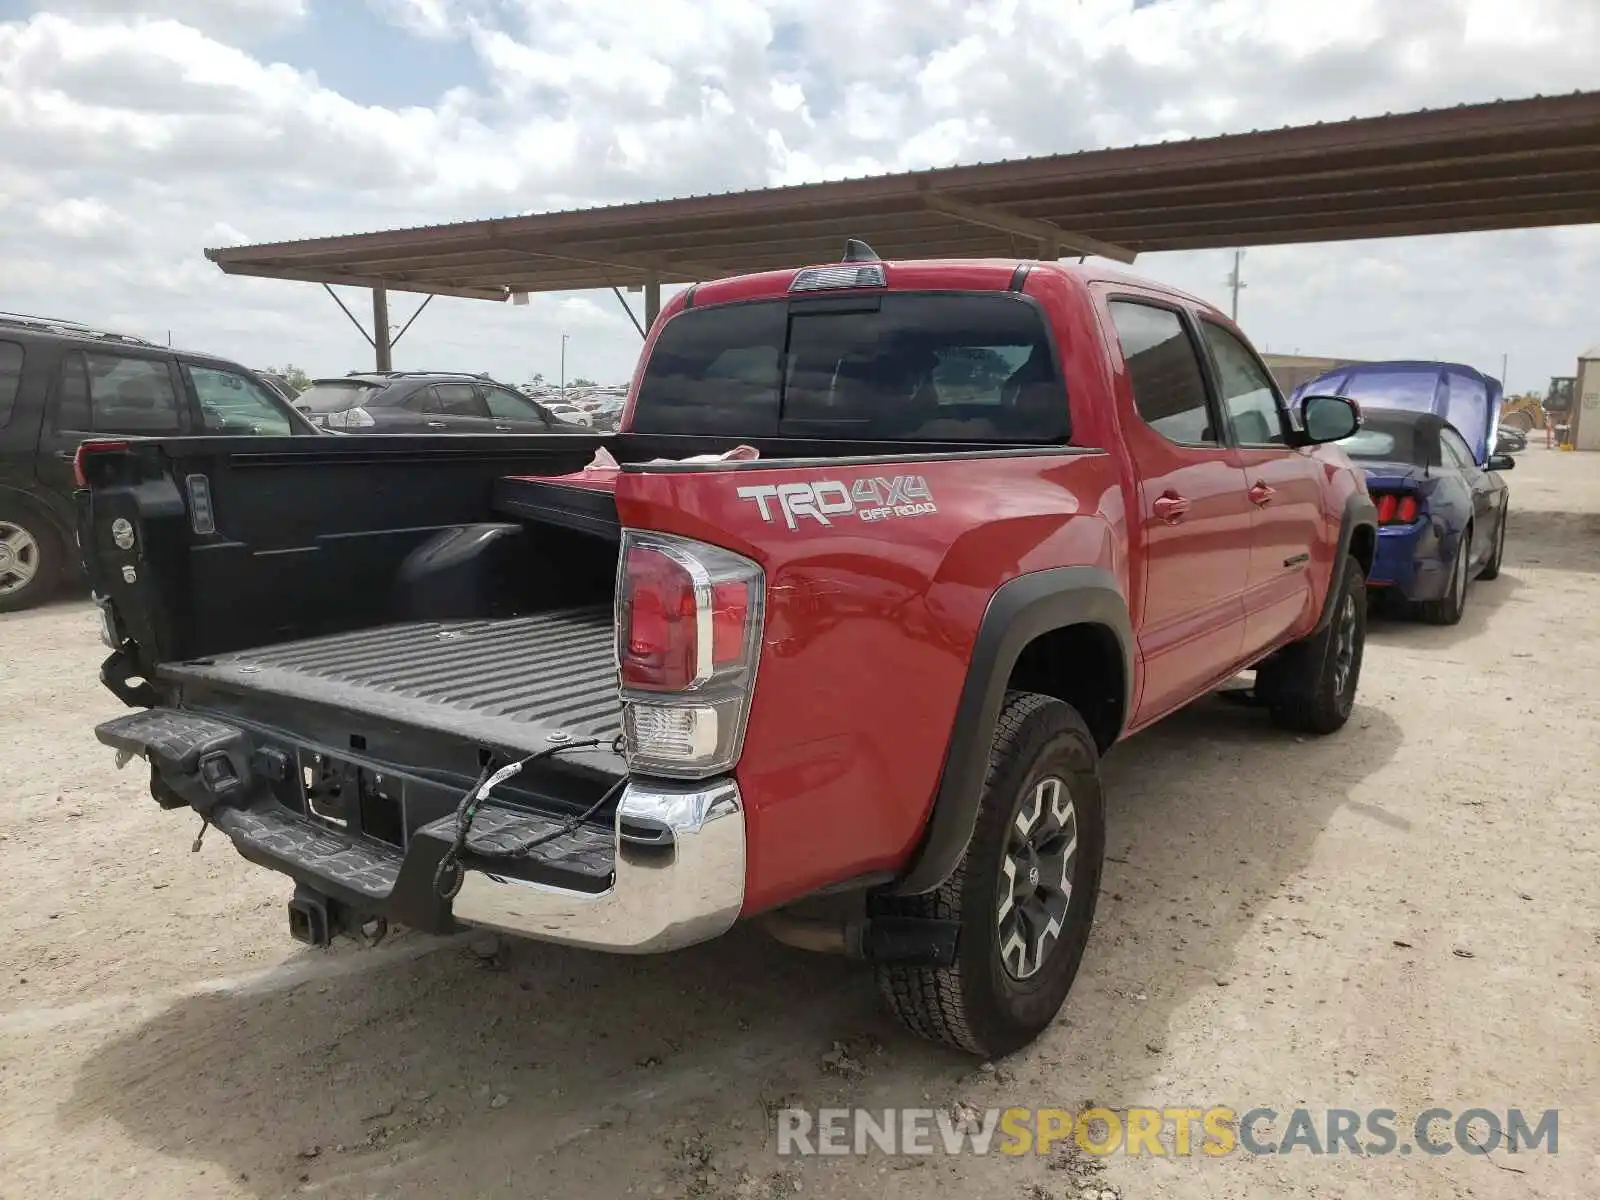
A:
522, 683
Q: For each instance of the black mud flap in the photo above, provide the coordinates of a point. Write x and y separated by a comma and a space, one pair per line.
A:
202, 761
910, 941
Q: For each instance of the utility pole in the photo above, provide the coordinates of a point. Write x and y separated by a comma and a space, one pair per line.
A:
1235, 283
1504, 360
563, 367
381, 344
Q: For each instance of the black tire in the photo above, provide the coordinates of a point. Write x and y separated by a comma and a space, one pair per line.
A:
995, 999
1447, 609
1310, 685
30, 558
1491, 569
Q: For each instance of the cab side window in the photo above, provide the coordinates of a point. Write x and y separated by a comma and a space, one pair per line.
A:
506, 405
1456, 450
1169, 387
1248, 398
231, 403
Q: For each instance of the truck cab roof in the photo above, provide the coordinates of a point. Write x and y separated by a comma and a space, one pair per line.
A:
965, 274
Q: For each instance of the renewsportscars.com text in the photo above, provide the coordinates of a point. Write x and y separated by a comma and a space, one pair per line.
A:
1213, 1131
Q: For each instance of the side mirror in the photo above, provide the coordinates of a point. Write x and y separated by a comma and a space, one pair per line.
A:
1500, 462
1328, 419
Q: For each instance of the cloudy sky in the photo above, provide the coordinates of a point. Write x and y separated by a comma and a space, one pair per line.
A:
135, 134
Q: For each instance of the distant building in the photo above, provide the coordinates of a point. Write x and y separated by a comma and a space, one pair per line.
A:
1585, 415
1291, 370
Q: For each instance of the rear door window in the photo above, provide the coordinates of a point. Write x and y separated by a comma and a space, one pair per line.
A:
974, 367
114, 393
1169, 388
456, 400
10, 378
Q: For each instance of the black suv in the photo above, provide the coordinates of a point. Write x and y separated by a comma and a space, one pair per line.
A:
61, 383
425, 402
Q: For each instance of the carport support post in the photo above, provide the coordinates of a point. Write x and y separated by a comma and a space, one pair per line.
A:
380, 328
652, 303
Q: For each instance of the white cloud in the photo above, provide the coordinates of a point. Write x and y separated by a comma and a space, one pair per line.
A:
133, 139
240, 19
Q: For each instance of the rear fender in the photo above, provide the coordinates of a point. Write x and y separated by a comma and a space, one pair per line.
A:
1360, 519
1019, 611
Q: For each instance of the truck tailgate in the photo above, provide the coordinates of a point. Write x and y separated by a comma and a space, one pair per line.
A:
511, 682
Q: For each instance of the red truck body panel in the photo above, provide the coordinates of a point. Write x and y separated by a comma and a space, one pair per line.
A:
871, 622
869, 631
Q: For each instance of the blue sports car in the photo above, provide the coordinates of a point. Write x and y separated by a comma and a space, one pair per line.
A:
1426, 447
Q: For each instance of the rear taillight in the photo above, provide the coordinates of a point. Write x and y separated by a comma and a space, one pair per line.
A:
688, 637
351, 418
85, 450
1397, 508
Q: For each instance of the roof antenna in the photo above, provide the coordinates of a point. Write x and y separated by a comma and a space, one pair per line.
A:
855, 250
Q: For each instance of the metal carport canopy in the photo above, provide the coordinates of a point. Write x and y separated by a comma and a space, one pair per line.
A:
1504, 165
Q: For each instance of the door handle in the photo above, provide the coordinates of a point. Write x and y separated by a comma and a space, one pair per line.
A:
1261, 494
437, 425
1170, 508
67, 455
502, 429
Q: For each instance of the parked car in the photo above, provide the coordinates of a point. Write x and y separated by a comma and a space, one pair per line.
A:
1463, 395
1510, 440
1441, 502
1441, 517
623, 708
423, 402
570, 413
62, 382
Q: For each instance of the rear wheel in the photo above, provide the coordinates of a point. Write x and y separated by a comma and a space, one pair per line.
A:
1024, 893
1447, 609
30, 559
1310, 685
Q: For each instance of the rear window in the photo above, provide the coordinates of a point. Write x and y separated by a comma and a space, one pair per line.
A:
333, 396
1383, 439
10, 378
904, 366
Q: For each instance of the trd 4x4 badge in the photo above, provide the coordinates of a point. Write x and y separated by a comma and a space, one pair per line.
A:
867, 499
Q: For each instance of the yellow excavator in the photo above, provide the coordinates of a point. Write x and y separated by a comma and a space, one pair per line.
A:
1525, 412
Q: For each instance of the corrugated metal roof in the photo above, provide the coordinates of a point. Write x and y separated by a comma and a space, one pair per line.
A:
1503, 165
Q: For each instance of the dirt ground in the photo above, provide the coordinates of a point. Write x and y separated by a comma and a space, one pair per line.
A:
1404, 915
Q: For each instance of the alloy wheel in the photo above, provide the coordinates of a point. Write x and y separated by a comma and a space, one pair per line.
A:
1344, 645
19, 558
1036, 877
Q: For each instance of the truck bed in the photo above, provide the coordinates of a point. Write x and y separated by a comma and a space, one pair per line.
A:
510, 682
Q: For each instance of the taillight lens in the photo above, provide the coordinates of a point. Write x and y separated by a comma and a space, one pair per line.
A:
688, 637
351, 418
85, 449
1397, 508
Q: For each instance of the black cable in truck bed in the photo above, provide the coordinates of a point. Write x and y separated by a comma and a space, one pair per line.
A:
449, 875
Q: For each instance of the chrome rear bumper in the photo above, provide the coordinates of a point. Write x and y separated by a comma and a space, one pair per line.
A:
679, 879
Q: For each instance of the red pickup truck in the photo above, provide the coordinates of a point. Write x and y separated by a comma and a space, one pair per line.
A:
988, 518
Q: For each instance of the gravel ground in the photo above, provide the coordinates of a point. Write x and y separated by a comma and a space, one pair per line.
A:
1404, 915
